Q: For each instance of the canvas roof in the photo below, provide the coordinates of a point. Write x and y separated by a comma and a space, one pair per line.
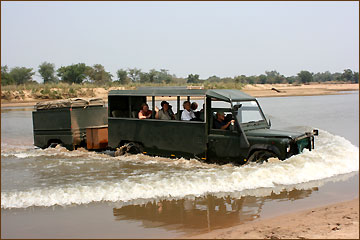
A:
71, 102
223, 94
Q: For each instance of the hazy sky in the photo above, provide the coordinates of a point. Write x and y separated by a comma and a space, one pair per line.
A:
207, 38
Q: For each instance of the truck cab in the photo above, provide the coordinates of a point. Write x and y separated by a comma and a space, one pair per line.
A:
249, 139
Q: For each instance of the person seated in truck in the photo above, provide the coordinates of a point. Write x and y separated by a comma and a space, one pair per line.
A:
187, 114
194, 106
165, 113
144, 112
220, 122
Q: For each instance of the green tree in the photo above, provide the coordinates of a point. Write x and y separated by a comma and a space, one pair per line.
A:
21, 75
153, 74
262, 79
134, 74
305, 76
98, 75
75, 73
6, 79
47, 72
347, 74
213, 78
356, 77
251, 79
144, 77
122, 76
323, 77
193, 78
274, 77
163, 76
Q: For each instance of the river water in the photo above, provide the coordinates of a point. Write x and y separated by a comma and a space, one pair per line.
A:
160, 197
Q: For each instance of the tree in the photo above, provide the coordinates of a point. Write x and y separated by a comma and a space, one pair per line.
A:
122, 76
213, 78
153, 75
134, 74
193, 78
305, 76
98, 75
47, 72
356, 77
274, 77
347, 74
163, 76
6, 79
144, 77
75, 73
262, 79
322, 77
21, 75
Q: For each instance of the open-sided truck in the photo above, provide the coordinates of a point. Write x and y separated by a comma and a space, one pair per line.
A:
249, 139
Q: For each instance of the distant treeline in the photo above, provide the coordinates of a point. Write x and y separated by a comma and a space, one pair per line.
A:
97, 75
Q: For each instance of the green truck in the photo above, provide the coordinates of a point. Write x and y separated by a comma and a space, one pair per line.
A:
249, 139
66, 122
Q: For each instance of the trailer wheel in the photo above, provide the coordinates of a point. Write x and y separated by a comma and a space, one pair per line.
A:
129, 148
261, 156
54, 143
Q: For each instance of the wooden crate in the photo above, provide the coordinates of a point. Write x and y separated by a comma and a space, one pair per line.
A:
97, 137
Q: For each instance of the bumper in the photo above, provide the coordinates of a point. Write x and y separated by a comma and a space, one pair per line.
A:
306, 140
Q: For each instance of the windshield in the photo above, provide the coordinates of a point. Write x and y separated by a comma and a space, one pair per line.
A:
249, 112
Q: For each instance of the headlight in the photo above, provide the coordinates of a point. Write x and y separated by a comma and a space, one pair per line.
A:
288, 149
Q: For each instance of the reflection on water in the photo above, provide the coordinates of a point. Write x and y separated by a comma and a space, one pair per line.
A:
203, 213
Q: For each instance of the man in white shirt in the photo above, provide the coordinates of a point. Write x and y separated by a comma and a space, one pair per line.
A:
187, 114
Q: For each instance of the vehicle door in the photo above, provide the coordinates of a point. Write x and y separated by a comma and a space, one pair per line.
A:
224, 145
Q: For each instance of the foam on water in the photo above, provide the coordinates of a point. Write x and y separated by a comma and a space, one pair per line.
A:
333, 155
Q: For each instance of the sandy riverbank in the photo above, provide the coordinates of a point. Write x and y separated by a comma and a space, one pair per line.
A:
340, 220
256, 90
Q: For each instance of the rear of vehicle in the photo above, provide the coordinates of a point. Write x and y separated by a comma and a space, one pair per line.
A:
65, 122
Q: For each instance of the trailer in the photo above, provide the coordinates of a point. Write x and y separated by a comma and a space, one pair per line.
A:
66, 122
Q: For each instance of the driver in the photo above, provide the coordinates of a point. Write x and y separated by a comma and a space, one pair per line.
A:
220, 122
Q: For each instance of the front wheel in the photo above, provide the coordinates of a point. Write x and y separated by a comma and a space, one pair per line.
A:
261, 156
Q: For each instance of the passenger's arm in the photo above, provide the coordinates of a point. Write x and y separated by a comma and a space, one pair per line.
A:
157, 112
141, 116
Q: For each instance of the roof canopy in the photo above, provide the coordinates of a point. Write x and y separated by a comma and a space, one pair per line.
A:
222, 94
71, 102
229, 95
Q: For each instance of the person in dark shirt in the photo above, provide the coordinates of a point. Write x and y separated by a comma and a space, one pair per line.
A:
220, 122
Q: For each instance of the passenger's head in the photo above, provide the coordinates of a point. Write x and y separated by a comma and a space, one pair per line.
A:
145, 107
186, 105
220, 115
165, 105
194, 106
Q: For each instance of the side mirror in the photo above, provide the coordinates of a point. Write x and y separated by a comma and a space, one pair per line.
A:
236, 107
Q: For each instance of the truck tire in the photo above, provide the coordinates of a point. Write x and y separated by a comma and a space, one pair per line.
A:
129, 148
261, 156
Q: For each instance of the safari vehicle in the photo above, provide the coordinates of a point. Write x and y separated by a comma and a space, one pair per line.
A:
250, 139
67, 121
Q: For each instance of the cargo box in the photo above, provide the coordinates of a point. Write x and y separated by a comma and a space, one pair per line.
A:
65, 121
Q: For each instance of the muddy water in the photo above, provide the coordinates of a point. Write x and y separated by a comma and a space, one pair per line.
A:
160, 197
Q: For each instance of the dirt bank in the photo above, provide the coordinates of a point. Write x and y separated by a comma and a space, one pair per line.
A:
26, 98
340, 220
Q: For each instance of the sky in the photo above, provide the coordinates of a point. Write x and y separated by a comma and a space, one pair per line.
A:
225, 39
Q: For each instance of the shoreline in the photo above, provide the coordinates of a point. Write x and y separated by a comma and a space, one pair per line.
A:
255, 90
338, 220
